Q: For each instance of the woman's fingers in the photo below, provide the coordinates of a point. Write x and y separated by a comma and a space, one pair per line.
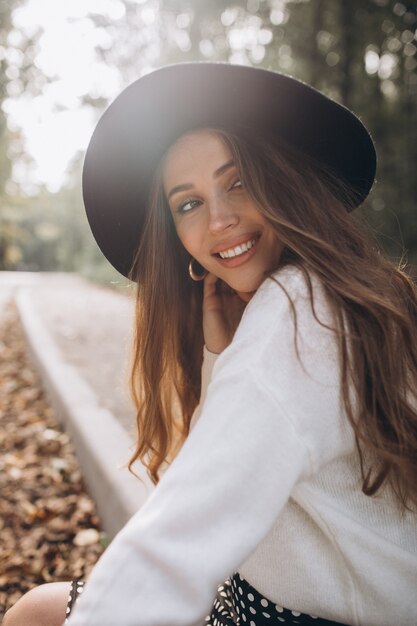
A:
222, 311
211, 299
216, 335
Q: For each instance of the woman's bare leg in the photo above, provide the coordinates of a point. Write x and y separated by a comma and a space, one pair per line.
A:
42, 606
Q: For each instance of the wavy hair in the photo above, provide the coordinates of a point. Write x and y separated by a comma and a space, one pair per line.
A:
374, 303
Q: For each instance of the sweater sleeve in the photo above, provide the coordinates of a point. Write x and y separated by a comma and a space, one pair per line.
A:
234, 474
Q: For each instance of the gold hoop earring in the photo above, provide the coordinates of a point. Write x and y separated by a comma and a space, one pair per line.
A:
198, 275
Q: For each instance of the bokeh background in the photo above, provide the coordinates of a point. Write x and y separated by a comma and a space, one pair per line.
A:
62, 62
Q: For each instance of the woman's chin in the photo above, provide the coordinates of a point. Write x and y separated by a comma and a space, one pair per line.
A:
245, 296
248, 287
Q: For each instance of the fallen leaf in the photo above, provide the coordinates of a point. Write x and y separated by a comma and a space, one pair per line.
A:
49, 526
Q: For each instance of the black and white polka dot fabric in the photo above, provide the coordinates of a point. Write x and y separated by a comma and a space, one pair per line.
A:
237, 603
76, 590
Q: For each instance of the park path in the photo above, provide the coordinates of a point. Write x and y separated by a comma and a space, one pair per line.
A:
89, 324
79, 334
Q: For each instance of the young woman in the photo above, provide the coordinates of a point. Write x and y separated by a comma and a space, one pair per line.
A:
286, 470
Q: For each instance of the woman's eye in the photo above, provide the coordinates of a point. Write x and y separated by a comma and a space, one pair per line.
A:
187, 206
236, 184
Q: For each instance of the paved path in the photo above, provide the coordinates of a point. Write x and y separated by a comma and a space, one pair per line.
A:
91, 327
79, 334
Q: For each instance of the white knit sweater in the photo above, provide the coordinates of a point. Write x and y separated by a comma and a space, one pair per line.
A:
267, 484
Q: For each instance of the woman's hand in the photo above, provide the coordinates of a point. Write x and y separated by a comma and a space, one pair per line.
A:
222, 311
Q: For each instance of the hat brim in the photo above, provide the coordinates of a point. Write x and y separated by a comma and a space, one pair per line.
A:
147, 117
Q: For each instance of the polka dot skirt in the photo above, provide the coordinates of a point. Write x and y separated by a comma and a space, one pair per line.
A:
237, 603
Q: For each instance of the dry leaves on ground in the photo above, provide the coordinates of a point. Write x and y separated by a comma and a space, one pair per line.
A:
49, 529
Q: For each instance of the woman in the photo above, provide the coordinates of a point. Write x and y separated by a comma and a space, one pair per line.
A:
225, 193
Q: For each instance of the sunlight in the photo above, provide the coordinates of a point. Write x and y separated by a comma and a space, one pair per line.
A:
55, 125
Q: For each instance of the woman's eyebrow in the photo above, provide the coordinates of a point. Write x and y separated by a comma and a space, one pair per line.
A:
222, 169
186, 186
179, 188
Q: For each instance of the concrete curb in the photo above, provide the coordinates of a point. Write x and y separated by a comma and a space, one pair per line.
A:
101, 444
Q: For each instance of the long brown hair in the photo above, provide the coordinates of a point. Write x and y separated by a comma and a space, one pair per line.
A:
373, 301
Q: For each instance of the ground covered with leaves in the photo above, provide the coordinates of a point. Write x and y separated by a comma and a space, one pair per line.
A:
49, 528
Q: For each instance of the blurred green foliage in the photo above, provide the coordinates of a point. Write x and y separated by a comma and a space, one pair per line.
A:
360, 52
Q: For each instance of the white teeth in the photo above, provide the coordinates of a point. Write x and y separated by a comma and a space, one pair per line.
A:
244, 247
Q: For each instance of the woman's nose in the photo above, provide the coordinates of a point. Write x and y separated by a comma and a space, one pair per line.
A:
222, 215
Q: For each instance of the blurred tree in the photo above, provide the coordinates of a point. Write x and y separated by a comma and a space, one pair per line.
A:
6, 10
360, 52
18, 73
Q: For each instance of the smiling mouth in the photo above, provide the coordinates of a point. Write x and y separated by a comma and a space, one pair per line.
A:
242, 248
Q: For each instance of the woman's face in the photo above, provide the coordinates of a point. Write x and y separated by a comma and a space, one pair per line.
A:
215, 218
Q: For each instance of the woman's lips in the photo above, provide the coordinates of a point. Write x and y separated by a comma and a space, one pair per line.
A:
237, 250
240, 258
232, 242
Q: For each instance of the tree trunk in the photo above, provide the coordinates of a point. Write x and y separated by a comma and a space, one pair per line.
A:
347, 44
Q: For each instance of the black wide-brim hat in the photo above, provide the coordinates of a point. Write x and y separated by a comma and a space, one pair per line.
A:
147, 117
